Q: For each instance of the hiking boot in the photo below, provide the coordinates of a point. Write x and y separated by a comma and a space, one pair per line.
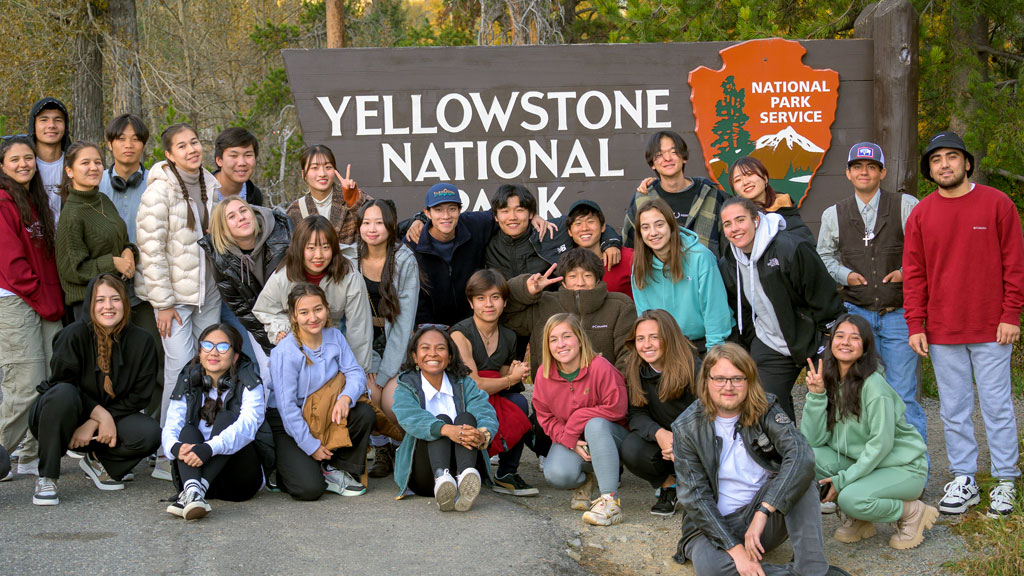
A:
342, 483
854, 530
99, 476
961, 494
513, 484
445, 491
604, 512
666, 504
469, 489
195, 505
581, 498
162, 470
383, 461
917, 517
46, 492
1002, 498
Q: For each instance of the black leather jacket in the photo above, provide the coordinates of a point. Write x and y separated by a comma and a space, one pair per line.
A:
774, 443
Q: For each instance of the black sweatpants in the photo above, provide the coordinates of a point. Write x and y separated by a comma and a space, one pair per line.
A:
299, 474
643, 458
232, 477
57, 413
777, 372
442, 454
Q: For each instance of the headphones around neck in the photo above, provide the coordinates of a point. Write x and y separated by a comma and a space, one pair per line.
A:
120, 184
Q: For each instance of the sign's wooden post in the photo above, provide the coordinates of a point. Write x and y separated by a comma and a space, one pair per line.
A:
892, 25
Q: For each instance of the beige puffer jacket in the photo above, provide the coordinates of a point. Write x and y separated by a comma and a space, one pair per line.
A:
170, 259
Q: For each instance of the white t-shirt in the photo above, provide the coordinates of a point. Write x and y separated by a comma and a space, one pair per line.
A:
739, 477
51, 174
439, 401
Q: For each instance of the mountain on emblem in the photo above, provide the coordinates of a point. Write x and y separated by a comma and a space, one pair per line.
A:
764, 102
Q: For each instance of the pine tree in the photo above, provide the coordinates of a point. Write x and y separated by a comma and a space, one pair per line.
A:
732, 141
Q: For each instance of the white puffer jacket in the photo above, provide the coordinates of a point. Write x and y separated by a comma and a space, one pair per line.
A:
170, 259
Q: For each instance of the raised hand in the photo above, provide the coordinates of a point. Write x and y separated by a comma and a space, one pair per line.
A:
815, 381
347, 182
538, 282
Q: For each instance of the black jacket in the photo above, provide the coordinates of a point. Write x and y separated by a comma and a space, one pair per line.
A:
50, 103
656, 415
774, 443
240, 291
799, 288
253, 194
795, 224
190, 387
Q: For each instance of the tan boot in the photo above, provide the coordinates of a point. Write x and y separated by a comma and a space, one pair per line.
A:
917, 517
581, 498
854, 530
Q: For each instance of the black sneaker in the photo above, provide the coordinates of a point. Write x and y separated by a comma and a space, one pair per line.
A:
513, 484
383, 461
666, 504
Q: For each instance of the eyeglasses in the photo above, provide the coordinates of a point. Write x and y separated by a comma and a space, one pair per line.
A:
721, 381
441, 327
221, 347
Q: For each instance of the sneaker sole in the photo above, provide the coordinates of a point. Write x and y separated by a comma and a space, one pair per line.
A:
176, 511
195, 512
601, 521
664, 514
513, 492
996, 514
445, 496
946, 509
468, 490
96, 480
927, 521
45, 501
348, 492
161, 474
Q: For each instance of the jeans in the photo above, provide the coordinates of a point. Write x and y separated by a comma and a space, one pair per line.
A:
564, 468
901, 362
183, 343
990, 364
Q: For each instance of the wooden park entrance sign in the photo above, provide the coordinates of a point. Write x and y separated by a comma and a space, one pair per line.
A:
572, 121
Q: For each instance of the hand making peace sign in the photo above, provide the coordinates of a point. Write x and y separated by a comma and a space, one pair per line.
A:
347, 182
815, 382
538, 282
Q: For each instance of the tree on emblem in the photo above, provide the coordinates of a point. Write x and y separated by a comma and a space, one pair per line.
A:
732, 141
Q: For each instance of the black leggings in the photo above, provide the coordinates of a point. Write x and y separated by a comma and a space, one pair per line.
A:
643, 458
232, 477
441, 454
59, 411
778, 373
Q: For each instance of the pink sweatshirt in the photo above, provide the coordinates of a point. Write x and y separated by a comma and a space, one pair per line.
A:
563, 409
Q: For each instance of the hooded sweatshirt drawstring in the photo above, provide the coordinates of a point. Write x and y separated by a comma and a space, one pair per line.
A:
769, 225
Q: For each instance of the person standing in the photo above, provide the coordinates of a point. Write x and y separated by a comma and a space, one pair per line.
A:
861, 244
963, 289
48, 128
235, 151
329, 195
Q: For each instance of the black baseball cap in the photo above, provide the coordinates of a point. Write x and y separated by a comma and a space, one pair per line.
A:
945, 140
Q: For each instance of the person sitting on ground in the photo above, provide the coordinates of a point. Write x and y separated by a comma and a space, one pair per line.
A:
580, 400
750, 180
489, 351
746, 476
103, 372
313, 365
448, 424
673, 271
660, 378
331, 196
215, 410
871, 459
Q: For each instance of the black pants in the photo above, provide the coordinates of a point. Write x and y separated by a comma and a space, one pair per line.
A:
5, 462
508, 461
233, 477
778, 373
643, 458
57, 413
538, 440
299, 474
442, 454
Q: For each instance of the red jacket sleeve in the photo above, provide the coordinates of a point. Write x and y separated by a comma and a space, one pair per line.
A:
1011, 243
15, 267
915, 275
552, 425
611, 403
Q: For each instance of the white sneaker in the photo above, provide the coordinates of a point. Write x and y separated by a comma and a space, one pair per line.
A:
195, 505
27, 468
469, 489
961, 494
342, 483
46, 492
162, 470
828, 507
98, 474
445, 491
1002, 499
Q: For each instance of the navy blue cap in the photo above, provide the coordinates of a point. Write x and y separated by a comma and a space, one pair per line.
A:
442, 193
866, 151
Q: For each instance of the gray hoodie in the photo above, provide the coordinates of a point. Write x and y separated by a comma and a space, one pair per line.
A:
766, 323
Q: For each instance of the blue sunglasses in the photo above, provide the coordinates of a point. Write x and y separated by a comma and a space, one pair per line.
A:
221, 347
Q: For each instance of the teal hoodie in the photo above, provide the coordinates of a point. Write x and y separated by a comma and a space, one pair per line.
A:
880, 438
698, 302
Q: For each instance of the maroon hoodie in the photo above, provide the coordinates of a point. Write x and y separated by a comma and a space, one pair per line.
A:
26, 268
563, 409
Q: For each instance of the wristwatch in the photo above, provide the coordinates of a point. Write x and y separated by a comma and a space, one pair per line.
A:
761, 508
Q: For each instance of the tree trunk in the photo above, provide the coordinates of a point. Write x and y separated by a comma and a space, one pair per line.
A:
123, 47
335, 23
970, 30
87, 84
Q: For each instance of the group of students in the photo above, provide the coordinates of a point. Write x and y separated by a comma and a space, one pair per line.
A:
286, 344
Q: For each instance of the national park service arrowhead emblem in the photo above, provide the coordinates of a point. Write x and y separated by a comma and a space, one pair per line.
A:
764, 102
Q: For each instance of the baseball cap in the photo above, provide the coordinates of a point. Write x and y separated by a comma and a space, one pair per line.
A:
945, 140
866, 151
442, 193
581, 203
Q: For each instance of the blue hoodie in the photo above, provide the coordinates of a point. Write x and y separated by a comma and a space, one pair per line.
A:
698, 302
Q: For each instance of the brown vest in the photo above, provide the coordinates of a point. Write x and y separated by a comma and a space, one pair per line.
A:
881, 255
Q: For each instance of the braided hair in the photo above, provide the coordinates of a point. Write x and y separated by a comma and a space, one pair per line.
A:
298, 291
29, 198
105, 336
166, 139
389, 305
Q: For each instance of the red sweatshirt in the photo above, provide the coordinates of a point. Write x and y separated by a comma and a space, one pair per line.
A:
963, 266
26, 268
618, 278
563, 409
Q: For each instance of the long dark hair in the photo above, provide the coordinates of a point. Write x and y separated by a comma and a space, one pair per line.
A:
677, 375
294, 260
70, 155
643, 255
33, 198
844, 393
210, 409
456, 368
750, 165
389, 305
166, 139
310, 153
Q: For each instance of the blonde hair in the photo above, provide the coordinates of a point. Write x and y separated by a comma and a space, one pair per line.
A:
222, 238
755, 404
586, 348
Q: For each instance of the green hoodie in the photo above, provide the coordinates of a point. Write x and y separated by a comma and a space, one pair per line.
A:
880, 438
